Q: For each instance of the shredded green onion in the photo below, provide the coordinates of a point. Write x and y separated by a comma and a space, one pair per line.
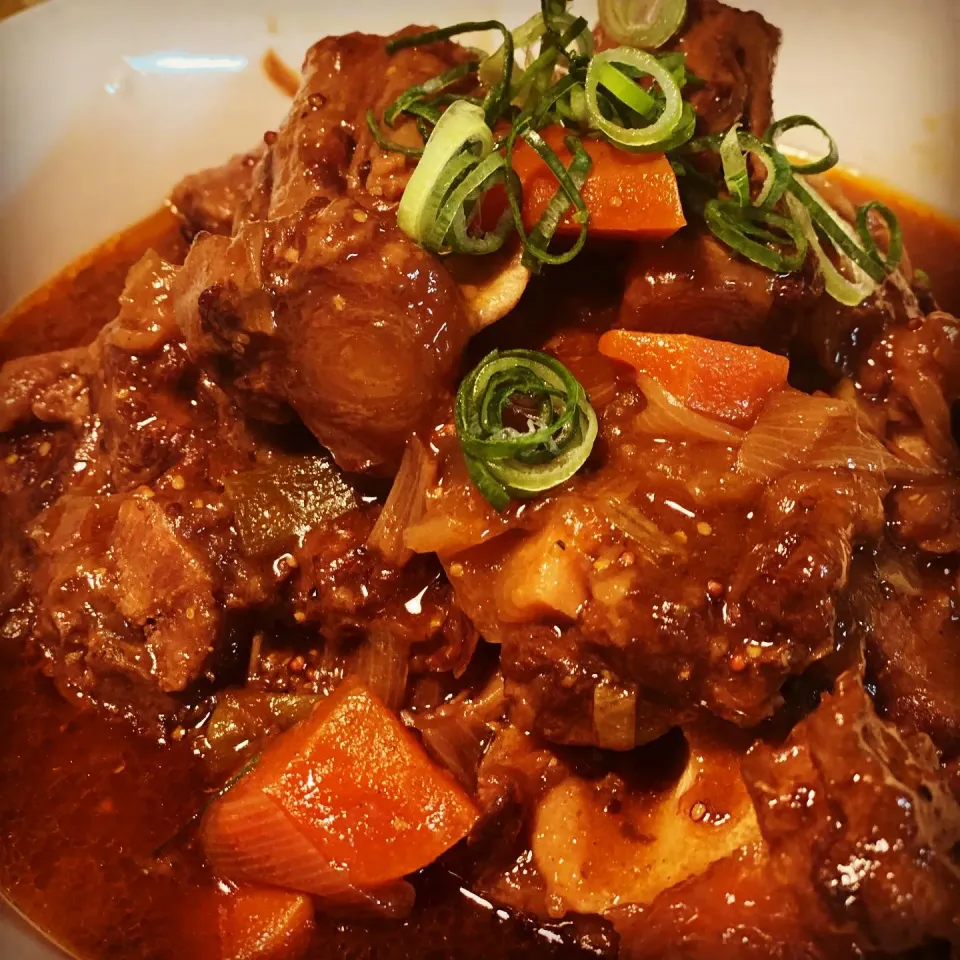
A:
843, 290
642, 23
391, 145
505, 462
499, 95
891, 261
751, 232
832, 156
654, 135
733, 147
420, 90
836, 229
458, 166
570, 181
525, 36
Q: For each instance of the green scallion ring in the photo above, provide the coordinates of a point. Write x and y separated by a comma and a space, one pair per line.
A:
840, 233
733, 147
657, 133
505, 463
825, 163
750, 231
891, 261
461, 129
642, 23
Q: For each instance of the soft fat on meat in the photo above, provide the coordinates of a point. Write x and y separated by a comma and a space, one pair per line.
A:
332, 313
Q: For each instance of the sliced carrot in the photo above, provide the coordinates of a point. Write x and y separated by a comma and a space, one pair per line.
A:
347, 799
627, 194
263, 923
723, 380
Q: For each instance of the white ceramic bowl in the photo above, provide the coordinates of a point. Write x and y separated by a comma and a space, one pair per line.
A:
104, 104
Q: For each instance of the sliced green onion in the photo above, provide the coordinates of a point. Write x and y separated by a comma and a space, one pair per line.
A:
460, 138
657, 133
564, 86
537, 243
504, 462
843, 290
627, 90
570, 181
891, 261
733, 147
498, 97
420, 90
735, 167
676, 62
391, 145
750, 231
832, 156
537, 78
642, 23
840, 233
526, 35
684, 131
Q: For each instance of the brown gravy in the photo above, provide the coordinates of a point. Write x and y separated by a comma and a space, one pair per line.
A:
84, 801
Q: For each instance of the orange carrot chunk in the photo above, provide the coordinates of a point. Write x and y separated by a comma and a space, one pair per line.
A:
347, 799
723, 380
263, 923
627, 194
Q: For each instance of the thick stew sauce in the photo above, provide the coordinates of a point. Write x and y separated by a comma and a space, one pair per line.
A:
360, 600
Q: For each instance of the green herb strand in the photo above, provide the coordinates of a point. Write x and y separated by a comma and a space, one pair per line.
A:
504, 462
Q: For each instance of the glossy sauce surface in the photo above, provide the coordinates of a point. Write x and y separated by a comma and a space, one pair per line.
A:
85, 801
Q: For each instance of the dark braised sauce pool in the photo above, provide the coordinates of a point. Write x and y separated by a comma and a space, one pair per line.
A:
700, 699
85, 800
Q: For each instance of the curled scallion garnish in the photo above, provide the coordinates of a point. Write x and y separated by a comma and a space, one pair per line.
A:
458, 166
421, 90
767, 238
642, 23
664, 121
552, 432
733, 148
568, 193
848, 290
830, 159
840, 233
498, 97
891, 261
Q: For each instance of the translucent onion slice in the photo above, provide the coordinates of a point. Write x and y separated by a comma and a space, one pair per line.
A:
405, 503
666, 417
